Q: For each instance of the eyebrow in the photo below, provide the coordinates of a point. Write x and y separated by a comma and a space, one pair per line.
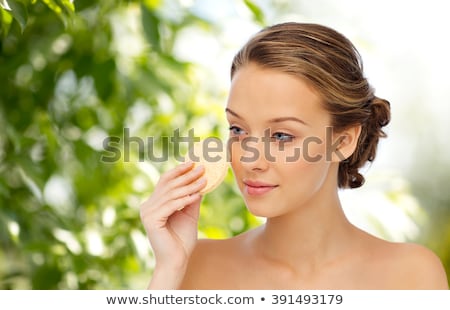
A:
272, 120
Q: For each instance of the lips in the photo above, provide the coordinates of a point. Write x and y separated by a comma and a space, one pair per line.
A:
257, 188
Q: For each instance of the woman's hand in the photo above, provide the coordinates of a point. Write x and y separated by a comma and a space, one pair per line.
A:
170, 218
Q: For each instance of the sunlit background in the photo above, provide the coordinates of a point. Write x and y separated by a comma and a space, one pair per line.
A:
73, 73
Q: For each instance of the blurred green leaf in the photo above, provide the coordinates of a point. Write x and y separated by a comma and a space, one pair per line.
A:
20, 12
258, 14
46, 277
151, 27
66, 5
5, 22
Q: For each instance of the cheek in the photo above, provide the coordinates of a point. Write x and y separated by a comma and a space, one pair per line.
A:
314, 150
302, 181
306, 167
234, 151
234, 155
310, 150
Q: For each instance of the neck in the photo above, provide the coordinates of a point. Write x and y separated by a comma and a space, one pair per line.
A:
311, 236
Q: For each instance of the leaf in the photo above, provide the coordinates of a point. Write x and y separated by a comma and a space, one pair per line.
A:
5, 22
53, 6
20, 13
258, 14
104, 74
66, 5
64, 9
151, 27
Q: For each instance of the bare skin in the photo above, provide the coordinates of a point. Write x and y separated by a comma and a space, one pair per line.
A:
370, 263
307, 241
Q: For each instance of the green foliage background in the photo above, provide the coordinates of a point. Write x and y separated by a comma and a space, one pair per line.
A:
68, 220
62, 82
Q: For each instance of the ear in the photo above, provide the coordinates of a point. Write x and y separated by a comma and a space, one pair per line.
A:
345, 143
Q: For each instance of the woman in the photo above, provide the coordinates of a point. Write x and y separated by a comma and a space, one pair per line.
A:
300, 90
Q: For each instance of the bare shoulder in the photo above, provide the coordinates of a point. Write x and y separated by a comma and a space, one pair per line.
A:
423, 266
210, 263
408, 265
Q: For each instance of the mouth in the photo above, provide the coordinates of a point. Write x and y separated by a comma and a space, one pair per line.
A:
257, 188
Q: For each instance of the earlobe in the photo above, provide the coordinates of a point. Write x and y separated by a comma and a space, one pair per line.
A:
346, 142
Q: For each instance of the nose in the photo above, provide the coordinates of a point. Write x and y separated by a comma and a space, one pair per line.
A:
250, 153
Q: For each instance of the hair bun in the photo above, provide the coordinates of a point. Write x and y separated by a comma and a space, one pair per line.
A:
381, 112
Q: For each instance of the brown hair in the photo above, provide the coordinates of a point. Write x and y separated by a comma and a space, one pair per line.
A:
332, 64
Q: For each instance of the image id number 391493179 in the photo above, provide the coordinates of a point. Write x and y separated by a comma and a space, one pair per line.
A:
305, 299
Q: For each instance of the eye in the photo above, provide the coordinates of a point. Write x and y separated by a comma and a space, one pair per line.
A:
236, 131
282, 137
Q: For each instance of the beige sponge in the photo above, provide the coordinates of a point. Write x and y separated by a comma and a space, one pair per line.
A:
212, 154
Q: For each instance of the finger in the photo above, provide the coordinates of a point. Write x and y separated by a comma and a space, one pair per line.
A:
162, 214
188, 189
175, 172
163, 199
180, 177
188, 177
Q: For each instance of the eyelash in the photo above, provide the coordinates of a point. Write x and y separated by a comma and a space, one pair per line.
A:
233, 129
285, 137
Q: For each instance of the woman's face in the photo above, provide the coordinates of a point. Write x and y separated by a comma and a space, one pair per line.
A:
278, 140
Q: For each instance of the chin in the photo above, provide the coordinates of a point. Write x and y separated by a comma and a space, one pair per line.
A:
265, 210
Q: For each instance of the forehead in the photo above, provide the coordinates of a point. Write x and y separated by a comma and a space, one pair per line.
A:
267, 93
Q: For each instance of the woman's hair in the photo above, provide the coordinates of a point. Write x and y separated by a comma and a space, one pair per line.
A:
331, 63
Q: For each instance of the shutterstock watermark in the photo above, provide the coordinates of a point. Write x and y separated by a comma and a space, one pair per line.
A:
162, 148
